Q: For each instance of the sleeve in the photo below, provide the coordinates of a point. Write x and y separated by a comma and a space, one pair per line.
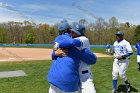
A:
85, 43
88, 57
68, 43
54, 57
129, 49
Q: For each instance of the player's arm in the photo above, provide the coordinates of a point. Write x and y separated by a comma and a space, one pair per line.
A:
59, 53
88, 57
54, 57
70, 43
129, 51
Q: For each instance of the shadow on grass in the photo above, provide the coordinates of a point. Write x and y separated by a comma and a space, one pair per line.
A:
122, 88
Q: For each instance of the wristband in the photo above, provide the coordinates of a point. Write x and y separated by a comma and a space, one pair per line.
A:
124, 57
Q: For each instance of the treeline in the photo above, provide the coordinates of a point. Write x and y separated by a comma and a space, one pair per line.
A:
98, 32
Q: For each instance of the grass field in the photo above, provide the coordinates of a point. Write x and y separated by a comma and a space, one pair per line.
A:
36, 81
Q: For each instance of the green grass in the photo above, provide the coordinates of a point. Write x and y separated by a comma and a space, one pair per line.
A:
98, 50
102, 74
35, 81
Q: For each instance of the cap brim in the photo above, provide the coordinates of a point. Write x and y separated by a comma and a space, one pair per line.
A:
118, 34
75, 31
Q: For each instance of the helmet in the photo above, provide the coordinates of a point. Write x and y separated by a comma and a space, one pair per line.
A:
78, 28
120, 33
63, 26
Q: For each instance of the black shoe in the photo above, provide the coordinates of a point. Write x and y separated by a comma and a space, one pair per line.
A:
139, 69
128, 87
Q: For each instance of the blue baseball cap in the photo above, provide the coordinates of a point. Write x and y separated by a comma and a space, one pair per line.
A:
63, 26
120, 33
78, 28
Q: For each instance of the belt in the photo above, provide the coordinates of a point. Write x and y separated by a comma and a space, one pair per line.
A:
86, 71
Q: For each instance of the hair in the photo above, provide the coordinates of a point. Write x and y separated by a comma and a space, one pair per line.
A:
65, 31
82, 34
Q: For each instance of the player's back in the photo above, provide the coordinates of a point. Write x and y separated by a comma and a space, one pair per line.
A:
85, 42
64, 70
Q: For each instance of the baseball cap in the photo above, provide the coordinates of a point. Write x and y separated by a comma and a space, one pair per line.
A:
78, 28
63, 26
119, 33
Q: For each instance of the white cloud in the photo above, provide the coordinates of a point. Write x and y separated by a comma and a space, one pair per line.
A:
33, 7
53, 12
6, 15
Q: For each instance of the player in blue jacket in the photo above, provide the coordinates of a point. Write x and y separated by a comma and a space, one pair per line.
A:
63, 75
138, 53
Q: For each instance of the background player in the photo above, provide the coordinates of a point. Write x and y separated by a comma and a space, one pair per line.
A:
107, 46
122, 50
138, 53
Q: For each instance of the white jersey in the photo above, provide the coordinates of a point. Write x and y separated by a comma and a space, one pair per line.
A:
121, 48
83, 66
85, 73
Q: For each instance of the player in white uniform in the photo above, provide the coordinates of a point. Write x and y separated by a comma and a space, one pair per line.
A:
122, 50
86, 78
107, 46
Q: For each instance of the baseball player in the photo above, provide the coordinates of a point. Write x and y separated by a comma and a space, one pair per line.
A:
63, 75
85, 73
122, 50
86, 78
107, 46
138, 53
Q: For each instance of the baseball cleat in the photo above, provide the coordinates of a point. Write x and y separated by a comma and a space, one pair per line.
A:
138, 69
114, 91
128, 87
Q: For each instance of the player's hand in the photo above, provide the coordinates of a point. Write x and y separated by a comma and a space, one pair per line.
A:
61, 52
119, 58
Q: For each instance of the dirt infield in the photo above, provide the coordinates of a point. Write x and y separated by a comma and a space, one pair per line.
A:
23, 54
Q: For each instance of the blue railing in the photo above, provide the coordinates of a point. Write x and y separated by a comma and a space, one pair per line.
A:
45, 45
26, 45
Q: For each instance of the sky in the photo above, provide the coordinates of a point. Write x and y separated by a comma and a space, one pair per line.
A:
54, 11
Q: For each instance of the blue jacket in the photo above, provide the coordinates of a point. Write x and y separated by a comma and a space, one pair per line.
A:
107, 46
138, 48
64, 70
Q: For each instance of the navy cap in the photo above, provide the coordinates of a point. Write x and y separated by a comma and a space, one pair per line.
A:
78, 28
120, 33
63, 26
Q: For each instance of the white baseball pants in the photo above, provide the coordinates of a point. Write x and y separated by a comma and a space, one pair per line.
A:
54, 89
86, 78
120, 68
88, 86
138, 58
